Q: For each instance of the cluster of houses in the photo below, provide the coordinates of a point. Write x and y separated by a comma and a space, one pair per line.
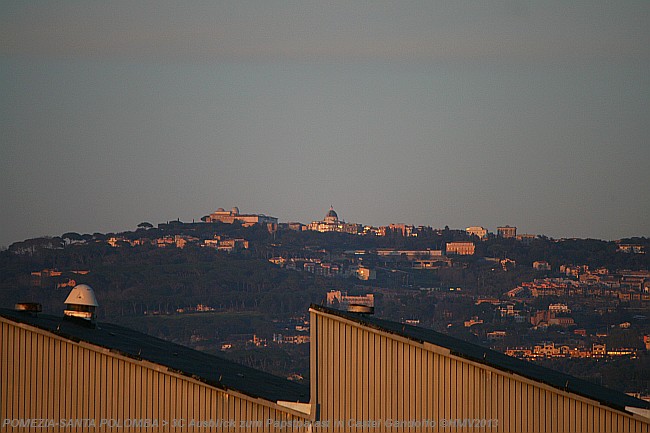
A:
550, 350
624, 285
363, 264
218, 242
56, 278
556, 314
293, 331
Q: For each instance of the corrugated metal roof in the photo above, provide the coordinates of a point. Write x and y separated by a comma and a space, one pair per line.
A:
492, 358
210, 369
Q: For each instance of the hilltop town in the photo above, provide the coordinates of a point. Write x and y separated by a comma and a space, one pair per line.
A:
238, 284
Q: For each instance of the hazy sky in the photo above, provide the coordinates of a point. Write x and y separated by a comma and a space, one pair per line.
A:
533, 114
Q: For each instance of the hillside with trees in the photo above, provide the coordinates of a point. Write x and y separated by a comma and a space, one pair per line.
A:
211, 299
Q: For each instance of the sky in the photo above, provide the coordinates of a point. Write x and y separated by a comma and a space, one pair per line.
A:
458, 113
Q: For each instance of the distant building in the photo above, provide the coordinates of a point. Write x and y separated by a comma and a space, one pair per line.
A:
573, 271
290, 339
473, 321
507, 232
280, 261
405, 229
561, 321
46, 277
233, 215
599, 350
477, 231
514, 292
460, 248
115, 241
546, 349
178, 241
493, 301
559, 308
373, 231
317, 267
525, 239
67, 283
119, 241
496, 335
630, 248
637, 280
366, 274
164, 241
549, 318
331, 223
335, 297
222, 243
541, 266
507, 264
182, 240
409, 254
295, 226
508, 311
431, 263
47, 273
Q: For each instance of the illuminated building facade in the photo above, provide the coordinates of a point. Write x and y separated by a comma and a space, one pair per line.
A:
477, 231
233, 215
460, 248
507, 232
331, 223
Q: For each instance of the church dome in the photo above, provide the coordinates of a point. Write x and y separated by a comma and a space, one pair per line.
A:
331, 215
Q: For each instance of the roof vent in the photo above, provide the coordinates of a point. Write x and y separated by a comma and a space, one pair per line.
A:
361, 309
81, 302
29, 307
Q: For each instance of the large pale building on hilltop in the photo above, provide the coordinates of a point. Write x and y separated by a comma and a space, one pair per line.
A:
331, 223
233, 215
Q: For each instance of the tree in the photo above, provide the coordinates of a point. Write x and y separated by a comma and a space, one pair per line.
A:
145, 225
71, 237
99, 236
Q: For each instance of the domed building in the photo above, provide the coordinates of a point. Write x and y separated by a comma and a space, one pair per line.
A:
247, 220
331, 223
331, 216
